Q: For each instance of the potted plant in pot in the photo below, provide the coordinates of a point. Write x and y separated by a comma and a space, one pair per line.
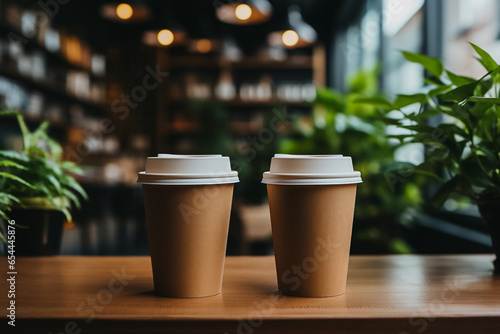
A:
463, 151
37, 190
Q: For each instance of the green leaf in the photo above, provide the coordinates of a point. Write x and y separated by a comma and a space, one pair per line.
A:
375, 101
72, 197
481, 99
53, 180
8, 198
441, 89
460, 93
71, 182
429, 174
472, 168
67, 214
444, 191
399, 246
459, 80
485, 85
397, 166
330, 98
405, 100
423, 114
9, 113
14, 155
451, 129
71, 167
16, 179
46, 191
25, 132
432, 65
421, 128
11, 164
488, 62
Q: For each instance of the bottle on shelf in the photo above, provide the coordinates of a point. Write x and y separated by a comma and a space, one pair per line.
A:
225, 89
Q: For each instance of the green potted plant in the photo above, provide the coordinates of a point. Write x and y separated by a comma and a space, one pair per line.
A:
37, 190
463, 151
339, 125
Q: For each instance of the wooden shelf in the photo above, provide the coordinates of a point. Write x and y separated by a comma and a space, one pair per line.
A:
292, 62
250, 62
49, 88
55, 56
237, 102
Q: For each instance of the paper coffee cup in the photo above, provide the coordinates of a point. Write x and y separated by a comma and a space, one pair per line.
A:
187, 200
311, 200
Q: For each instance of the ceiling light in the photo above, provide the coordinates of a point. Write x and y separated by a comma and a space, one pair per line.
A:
244, 12
129, 12
124, 11
296, 33
169, 31
165, 37
290, 38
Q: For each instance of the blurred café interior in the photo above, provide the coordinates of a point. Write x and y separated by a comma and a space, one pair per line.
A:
121, 81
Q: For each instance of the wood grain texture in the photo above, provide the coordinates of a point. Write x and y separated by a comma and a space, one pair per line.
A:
385, 294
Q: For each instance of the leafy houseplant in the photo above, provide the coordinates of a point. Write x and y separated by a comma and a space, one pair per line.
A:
339, 125
35, 185
463, 151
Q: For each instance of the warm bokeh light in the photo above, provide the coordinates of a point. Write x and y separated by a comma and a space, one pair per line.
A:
124, 11
203, 45
290, 38
165, 37
243, 12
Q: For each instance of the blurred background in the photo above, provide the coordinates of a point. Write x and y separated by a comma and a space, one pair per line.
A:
120, 81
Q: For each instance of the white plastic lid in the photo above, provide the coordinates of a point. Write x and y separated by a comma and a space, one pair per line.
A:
290, 169
176, 169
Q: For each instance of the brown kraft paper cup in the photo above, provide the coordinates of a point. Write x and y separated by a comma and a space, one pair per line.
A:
187, 229
312, 227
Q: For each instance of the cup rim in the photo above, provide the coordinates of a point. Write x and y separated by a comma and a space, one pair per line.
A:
187, 179
312, 179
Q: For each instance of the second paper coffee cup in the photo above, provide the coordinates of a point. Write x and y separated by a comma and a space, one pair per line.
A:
311, 201
187, 200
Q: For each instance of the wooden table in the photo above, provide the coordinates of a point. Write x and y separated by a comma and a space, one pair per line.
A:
385, 294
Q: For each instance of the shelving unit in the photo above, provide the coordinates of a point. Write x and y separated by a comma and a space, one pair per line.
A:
178, 119
34, 44
50, 88
59, 84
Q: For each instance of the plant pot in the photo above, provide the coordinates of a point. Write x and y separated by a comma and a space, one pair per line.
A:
40, 230
489, 209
